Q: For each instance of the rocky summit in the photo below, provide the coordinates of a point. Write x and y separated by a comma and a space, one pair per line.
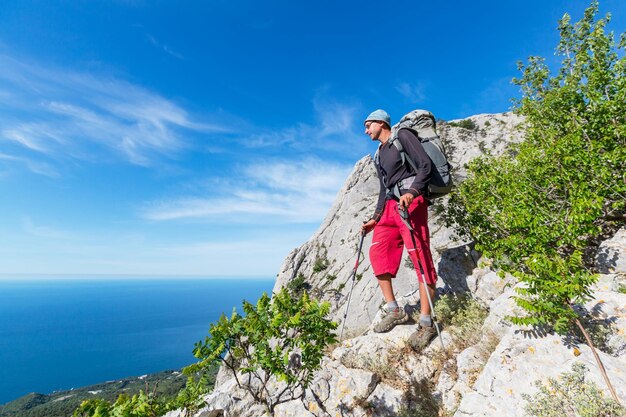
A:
482, 365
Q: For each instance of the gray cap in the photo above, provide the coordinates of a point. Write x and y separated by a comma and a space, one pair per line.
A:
379, 116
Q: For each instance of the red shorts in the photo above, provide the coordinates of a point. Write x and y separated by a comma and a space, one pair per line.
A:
391, 235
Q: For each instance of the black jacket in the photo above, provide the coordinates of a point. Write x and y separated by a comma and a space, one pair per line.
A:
390, 163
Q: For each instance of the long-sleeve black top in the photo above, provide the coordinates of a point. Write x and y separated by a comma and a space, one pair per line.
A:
391, 164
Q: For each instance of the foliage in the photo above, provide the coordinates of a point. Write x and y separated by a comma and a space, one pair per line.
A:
468, 124
298, 285
282, 337
63, 403
535, 212
139, 405
191, 398
463, 316
321, 263
571, 396
151, 402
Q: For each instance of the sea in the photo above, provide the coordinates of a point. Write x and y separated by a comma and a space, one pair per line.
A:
59, 334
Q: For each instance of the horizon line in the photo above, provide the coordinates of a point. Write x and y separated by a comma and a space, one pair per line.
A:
79, 276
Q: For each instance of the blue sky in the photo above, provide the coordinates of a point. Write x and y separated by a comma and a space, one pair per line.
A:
210, 137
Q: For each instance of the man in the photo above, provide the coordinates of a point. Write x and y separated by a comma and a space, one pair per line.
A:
390, 231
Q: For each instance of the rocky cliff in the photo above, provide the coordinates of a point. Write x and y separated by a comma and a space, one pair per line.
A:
484, 370
325, 262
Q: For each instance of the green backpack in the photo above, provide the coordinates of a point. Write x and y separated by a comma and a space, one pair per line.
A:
422, 123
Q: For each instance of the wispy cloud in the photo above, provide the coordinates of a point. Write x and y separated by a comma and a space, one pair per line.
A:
282, 192
336, 127
33, 166
414, 93
63, 114
164, 47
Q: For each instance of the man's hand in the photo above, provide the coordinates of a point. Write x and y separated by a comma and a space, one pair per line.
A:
405, 201
367, 227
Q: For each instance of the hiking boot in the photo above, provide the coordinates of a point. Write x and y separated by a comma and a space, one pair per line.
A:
422, 337
390, 319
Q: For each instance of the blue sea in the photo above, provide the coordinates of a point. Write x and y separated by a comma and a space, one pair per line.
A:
63, 334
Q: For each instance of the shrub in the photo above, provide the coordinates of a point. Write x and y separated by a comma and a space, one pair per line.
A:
538, 212
283, 337
139, 405
468, 124
321, 263
571, 395
298, 285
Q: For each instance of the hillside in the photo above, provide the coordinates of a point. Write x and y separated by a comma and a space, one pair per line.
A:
63, 403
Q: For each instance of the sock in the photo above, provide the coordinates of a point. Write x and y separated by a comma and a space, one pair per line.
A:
392, 305
425, 320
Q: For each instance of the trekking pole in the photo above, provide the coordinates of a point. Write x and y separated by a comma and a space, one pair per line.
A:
404, 215
356, 265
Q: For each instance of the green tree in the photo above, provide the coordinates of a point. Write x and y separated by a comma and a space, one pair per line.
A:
280, 339
537, 211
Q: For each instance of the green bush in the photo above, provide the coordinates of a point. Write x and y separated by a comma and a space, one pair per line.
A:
468, 124
537, 212
463, 316
571, 395
139, 405
298, 285
320, 264
282, 337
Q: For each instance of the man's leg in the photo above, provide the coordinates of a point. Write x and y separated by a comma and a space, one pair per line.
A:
384, 282
418, 245
385, 256
392, 314
424, 304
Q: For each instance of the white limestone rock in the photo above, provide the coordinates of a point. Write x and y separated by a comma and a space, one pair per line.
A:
520, 360
611, 256
485, 285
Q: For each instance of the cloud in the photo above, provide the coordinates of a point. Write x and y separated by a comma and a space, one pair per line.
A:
164, 47
32, 166
413, 93
281, 192
336, 128
64, 114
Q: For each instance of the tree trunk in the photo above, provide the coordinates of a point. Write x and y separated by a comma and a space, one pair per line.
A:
600, 365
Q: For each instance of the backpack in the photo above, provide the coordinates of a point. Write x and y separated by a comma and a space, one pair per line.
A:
422, 124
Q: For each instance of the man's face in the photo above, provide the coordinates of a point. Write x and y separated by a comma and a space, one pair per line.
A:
373, 129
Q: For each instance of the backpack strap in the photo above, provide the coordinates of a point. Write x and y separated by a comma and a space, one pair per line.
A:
405, 158
395, 189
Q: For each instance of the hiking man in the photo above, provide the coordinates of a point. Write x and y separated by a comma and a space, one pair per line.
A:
390, 231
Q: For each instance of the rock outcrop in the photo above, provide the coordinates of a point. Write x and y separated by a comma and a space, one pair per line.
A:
371, 374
